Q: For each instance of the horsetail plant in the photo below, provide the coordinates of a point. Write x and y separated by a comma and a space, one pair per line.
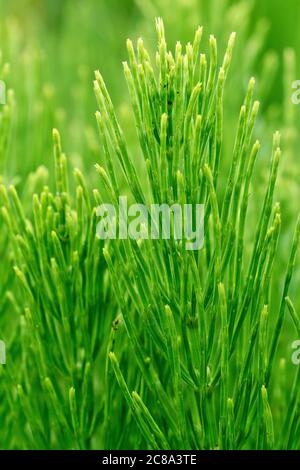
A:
65, 298
140, 342
202, 327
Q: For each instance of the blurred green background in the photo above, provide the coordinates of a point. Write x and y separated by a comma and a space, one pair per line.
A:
53, 47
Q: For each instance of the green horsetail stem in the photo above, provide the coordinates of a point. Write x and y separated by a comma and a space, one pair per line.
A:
200, 336
142, 343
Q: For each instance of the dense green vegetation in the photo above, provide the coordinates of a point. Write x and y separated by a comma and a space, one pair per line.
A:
142, 344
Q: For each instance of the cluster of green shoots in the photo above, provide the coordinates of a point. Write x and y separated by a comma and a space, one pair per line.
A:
142, 343
67, 311
201, 324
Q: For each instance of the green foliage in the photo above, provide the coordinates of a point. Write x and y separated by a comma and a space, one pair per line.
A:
65, 315
204, 350
143, 344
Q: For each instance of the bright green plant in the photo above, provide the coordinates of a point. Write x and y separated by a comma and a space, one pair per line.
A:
144, 344
66, 310
202, 326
